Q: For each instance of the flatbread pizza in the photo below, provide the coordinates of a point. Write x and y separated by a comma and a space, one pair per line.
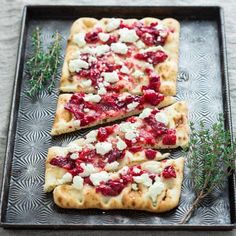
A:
121, 55
78, 111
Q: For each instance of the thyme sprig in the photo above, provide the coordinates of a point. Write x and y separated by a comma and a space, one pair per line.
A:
42, 66
211, 159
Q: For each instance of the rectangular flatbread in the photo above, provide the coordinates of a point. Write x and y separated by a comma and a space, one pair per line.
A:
153, 128
121, 143
151, 186
64, 160
78, 111
121, 55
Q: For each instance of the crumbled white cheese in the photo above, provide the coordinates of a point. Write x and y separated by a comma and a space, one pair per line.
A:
102, 49
123, 96
123, 170
103, 147
152, 166
92, 59
140, 44
110, 77
143, 179
146, 113
103, 37
131, 135
161, 117
88, 169
77, 64
92, 98
128, 35
136, 170
89, 146
92, 136
86, 83
88, 50
74, 148
79, 39
112, 24
129, 156
112, 166
86, 110
78, 182
144, 65
124, 69
101, 89
120, 48
155, 190
96, 178
132, 106
74, 156
121, 145
76, 123
159, 26
128, 126
137, 74
152, 49
134, 186
66, 178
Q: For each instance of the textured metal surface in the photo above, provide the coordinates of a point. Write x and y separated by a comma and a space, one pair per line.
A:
199, 83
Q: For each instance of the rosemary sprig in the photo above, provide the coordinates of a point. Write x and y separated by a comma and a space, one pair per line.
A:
42, 66
211, 158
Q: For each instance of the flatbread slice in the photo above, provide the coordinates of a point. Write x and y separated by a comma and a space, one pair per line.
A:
151, 186
64, 160
153, 128
121, 55
78, 111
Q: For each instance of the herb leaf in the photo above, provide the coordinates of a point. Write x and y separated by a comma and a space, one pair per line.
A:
42, 66
211, 158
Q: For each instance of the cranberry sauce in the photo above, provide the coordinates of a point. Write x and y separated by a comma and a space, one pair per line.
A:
92, 36
73, 166
104, 132
160, 130
109, 102
111, 187
154, 81
169, 172
150, 154
114, 155
152, 57
150, 34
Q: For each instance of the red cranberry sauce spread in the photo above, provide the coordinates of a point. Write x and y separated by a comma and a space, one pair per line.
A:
112, 187
153, 57
150, 35
158, 130
110, 105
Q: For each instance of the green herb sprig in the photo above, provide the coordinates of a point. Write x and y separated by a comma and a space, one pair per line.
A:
42, 66
211, 159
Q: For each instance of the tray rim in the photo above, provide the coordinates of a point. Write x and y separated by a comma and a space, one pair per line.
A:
14, 113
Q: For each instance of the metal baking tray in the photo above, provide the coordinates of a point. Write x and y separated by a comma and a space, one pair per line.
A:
202, 82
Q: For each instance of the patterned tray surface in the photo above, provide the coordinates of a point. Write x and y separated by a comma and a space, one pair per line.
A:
199, 83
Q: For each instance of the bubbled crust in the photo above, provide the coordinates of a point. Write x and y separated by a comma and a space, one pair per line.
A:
66, 196
65, 123
167, 69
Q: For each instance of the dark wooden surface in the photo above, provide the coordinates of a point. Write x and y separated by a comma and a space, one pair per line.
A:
10, 17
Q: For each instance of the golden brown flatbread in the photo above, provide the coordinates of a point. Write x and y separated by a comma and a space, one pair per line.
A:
158, 195
110, 107
135, 74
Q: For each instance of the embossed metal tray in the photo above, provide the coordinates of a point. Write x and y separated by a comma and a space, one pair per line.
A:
202, 82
